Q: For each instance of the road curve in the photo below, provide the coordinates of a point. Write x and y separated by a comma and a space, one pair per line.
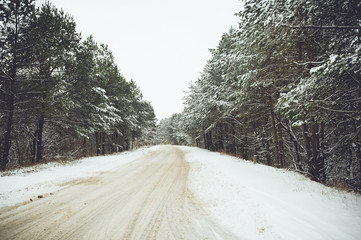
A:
145, 199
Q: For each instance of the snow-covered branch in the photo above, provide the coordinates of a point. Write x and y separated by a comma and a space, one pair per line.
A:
322, 27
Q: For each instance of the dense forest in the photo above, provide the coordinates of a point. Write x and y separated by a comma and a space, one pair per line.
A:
283, 89
61, 96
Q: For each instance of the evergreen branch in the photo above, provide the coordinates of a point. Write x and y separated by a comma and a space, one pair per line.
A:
337, 110
323, 27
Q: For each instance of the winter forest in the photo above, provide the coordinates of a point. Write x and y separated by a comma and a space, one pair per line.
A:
283, 89
62, 97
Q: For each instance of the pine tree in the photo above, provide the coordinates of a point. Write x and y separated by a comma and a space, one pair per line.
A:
14, 20
284, 89
54, 39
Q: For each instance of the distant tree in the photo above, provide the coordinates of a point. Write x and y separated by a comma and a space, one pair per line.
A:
171, 131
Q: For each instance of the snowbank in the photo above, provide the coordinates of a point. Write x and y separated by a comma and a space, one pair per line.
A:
259, 202
25, 183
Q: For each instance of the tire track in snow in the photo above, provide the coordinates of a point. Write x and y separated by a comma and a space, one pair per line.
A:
145, 199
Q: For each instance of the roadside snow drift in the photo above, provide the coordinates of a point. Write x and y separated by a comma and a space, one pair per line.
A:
259, 202
26, 183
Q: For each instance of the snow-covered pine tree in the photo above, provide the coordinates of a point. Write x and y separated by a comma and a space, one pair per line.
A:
15, 17
54, 39
285, 88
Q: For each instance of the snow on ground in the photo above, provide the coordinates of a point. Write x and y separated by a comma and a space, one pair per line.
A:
254, 201
26, 183
259, 202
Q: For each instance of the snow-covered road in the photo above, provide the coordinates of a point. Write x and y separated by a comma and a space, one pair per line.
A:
147, 198
167, 192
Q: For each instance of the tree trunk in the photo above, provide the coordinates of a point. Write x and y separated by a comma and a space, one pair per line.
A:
19, 150
209, 140
298, 163
232, 138
268, 151
85, 147
7, 134
133, 139
103, 142
275, 139
306, 139
321, 157
11, 99
315, 150
97, 143
220, 137
112, 144
34, 145
204, 138
244, 143
119, 148
280, 142
39, 136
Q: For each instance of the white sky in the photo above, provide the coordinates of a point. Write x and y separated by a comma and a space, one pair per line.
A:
161, 44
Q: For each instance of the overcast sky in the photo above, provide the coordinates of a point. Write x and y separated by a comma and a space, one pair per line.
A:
161, 44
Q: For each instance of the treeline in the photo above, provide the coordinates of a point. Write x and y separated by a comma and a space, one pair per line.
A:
172, 131
284, 90
62, 97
